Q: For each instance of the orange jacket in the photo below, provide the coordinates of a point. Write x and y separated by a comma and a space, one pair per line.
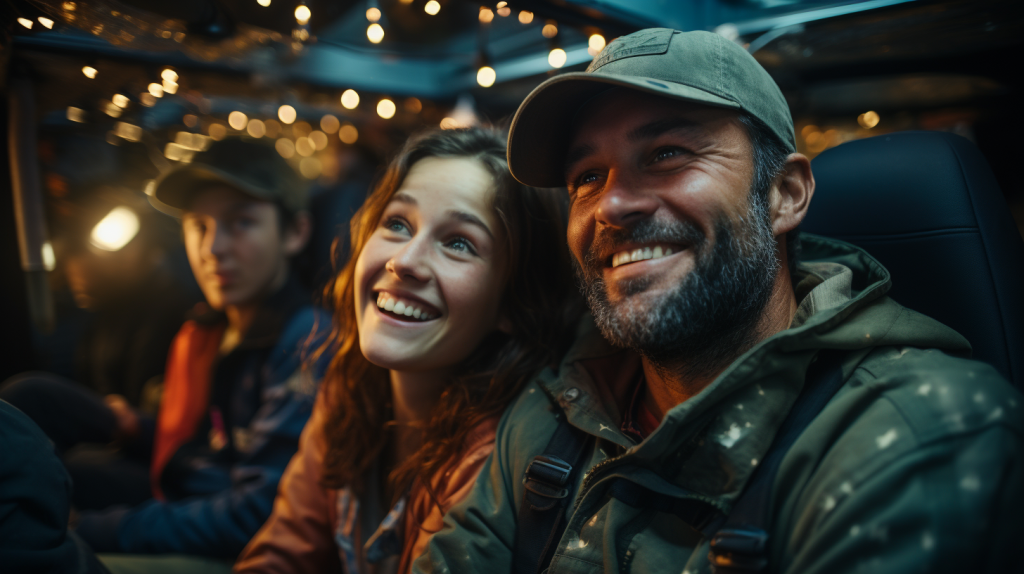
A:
300, 534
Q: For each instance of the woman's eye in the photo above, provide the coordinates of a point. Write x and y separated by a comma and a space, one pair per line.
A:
460, 244
395, 225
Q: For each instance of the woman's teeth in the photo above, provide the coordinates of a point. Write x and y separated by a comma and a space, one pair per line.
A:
640, 254
400, 307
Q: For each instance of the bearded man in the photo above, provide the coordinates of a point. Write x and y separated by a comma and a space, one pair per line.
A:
756, 402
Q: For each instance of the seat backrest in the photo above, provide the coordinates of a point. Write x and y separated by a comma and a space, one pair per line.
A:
927, 206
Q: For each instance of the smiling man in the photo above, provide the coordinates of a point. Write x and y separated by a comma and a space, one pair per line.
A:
750, 400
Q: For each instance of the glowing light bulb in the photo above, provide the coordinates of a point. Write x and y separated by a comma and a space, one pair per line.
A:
432, 7
375, 33
485, 76
868, 120
595, 44
115, 230
169, 87
486, 15
386, 109
46, 22
120, 100
302, 14
557, 58
349, 99
156, 90
525, 17
286, 114
550, 29
237, 120
373, 14
169, 75
89, 72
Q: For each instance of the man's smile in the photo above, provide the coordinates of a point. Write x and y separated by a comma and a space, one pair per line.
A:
642, 253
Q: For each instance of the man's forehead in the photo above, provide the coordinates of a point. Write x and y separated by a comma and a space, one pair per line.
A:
621, 107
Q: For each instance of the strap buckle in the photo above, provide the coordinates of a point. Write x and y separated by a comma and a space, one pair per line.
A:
547, 476
738, 550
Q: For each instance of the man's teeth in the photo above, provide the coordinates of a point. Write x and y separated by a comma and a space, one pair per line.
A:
399, 307
640, 254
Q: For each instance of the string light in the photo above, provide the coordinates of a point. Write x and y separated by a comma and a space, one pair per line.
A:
550, 29
557, 58
46, 22
373, 14
237, 120
432, 7
89, 72
486, 76
386, 109
596, 43
525, 17
486, 15
302, 14
349, 99
25, 22
375, 33
286, 114
120, 100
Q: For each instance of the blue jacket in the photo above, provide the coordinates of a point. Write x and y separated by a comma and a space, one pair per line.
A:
220, 486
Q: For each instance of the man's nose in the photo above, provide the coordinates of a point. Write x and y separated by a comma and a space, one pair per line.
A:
411, 262
624, 201
216, 240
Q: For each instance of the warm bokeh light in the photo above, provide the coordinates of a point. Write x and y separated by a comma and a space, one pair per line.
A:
120, 100
302, 14
147, 99
486, 15
49, 259
526, 17
550, 29
111, 110
373, 14
349, 99
503, 9
869, 119
190, 120
156, 90
263, 3
319, 139
557, 58
413, 105
432, 7
256, 128
130, 132
595, 44
286, 114
310, 168
375, 33
301, 129
89, 72
285, 147
169, 87
115, 230
450, 124
304, 147
25, 22
386, 109
46, 22
76, 114
218, 132
273, 128
237, 120
348, 134
485, 76
169, 75
329, 124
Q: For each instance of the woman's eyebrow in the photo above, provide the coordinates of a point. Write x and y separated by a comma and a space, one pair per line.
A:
470, 219
402, 197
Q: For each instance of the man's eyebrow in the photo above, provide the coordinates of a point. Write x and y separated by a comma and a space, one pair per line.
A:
470, 219
659, 127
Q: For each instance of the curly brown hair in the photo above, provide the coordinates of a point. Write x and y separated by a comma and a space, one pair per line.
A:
539, 300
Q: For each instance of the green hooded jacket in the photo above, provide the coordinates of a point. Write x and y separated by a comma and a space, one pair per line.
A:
916, 464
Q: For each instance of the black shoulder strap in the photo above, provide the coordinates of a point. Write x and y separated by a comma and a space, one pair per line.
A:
741, 545
548, 484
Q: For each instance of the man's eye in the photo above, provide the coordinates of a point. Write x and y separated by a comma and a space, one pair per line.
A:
667, 152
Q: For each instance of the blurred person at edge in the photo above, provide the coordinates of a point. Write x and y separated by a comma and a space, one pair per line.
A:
709, 310
236, 395
457, 294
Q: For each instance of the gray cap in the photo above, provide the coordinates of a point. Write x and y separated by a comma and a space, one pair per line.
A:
251, 167
699, 67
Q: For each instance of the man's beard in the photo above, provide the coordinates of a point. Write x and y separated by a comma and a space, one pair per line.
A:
712, 315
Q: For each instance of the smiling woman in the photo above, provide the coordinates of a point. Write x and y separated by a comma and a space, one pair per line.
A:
458, 294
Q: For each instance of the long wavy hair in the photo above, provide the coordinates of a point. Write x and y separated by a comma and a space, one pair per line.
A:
539, 300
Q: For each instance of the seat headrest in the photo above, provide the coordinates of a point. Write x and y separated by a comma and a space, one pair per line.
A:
927, 206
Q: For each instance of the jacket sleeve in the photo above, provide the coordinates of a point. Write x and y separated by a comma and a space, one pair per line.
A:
219, 525
298, 535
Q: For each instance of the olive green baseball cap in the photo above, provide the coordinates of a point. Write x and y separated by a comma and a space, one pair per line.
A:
698, 67
251, 167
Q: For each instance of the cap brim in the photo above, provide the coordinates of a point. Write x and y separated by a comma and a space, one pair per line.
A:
176, 188
540, 131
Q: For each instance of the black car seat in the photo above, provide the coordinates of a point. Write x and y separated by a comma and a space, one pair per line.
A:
927, 206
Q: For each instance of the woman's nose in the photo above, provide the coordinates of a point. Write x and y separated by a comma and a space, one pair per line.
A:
411, 262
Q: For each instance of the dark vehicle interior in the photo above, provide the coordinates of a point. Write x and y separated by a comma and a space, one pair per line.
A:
908, 109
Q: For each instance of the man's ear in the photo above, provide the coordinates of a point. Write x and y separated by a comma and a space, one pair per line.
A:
791, 194
296, 233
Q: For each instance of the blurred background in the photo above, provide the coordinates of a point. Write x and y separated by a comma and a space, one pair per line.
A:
101, 96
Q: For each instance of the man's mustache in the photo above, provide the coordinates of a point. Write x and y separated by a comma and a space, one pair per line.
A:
647, 231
